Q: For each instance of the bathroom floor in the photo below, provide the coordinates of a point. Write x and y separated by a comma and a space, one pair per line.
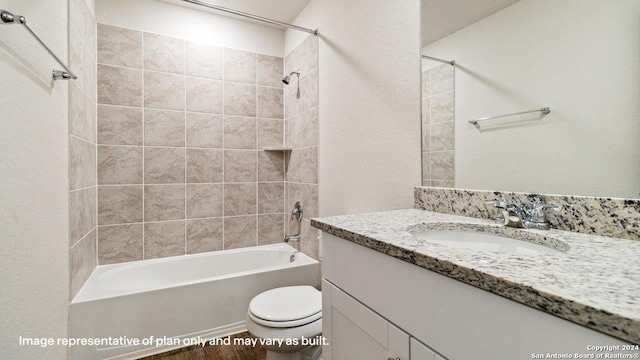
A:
231, 352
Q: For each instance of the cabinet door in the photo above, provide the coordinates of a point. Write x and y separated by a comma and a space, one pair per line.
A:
355, 332
420, 351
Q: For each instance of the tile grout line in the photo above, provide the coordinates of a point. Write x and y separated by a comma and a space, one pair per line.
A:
184, 52
144, 239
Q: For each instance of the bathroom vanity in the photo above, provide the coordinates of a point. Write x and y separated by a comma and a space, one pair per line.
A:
388, 294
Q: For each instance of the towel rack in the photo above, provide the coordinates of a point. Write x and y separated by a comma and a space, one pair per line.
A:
544, 110
9, 19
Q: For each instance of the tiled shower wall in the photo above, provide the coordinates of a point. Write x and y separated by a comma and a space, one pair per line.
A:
438, 126
82, 145
302, 136
181, 127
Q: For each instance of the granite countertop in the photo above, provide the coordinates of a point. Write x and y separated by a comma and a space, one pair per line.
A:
595, 283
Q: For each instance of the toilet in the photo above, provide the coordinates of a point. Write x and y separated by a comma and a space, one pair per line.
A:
292, 312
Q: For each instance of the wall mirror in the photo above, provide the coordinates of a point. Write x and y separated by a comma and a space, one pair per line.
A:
579, 58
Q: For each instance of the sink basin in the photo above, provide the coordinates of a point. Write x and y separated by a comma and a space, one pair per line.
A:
488, 238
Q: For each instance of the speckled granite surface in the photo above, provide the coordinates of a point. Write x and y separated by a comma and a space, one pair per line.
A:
590, 215
595, 283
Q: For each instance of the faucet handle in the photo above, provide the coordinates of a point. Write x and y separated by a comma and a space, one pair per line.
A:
538, 214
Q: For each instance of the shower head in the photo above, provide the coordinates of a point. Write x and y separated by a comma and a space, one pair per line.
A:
287, 79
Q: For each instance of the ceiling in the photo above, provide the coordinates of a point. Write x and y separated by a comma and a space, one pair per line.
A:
444, 17
280, 10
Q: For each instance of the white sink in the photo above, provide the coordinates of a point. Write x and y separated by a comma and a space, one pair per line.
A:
484, 241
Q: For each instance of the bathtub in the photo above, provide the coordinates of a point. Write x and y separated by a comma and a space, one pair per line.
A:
181, 297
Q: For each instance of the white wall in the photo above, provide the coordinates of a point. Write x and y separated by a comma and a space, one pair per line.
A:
34, 237
194, 24
579, 57
369, 66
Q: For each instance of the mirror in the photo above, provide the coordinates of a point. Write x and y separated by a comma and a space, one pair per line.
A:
580, 58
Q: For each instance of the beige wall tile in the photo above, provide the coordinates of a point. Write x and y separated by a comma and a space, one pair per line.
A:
205, 130
239, 66
119, 46
293, 169
426, 83
76, 15
119, 165
270, 197
239, 132
82, 213
204, 235
442, 165
205, 200
82, 114
426, 111
239, 199
164, 202
89, 34
240, 231
164, 91
204, 95
82, 163
442, 136
76, 58
293, 103
303, 57
310, 243
164, 239
426, 166
164, 127
270, 133
310, 200
204, 165
442, 107
309, 95
270, 70
293, 128
426, 137
119, 125
310, 127
82, 261
164, 165
204, 60
310, 165
443, 183
270, 102
270, 229
240, 166
163, 53
119, 204
270, 166
89, 80
239, 99
119, 86
119, 243
441, 79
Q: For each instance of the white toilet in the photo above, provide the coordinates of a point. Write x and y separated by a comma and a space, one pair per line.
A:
292, 312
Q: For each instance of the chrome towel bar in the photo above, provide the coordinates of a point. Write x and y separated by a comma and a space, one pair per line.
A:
8, 18
544, 111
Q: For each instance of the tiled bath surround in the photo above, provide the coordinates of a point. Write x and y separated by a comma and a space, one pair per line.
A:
82, 145
181, 127
590, 215
301, 126
438, 126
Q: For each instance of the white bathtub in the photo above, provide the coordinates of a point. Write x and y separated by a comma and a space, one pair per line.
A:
179, 297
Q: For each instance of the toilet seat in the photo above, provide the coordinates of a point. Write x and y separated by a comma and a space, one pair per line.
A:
286, 307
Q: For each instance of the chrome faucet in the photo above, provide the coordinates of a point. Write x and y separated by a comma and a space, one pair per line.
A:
296, 215
522, 216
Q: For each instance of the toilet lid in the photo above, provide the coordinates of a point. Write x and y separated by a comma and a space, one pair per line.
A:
287, 304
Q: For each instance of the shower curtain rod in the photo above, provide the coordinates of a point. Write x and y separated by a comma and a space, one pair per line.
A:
250, 16
450, 62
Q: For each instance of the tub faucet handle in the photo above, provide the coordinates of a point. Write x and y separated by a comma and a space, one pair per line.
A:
296, 213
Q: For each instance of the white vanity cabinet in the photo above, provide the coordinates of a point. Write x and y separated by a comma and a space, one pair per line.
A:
378, 307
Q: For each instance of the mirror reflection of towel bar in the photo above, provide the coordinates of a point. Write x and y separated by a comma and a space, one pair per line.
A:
544, 111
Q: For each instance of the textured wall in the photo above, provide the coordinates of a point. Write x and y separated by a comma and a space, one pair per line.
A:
181, 126
369, 102
34, 239
577, 57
